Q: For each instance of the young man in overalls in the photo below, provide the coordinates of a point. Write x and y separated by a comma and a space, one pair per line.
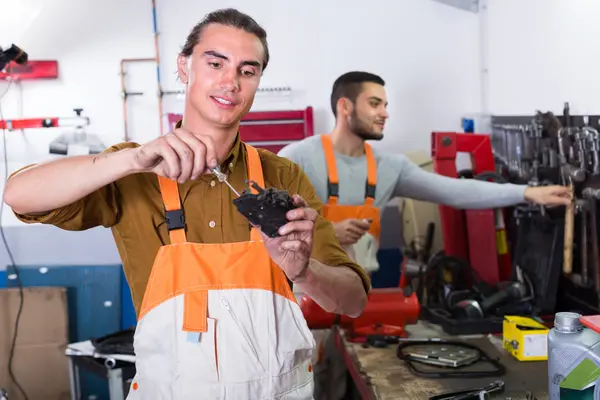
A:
355, 182
216, 315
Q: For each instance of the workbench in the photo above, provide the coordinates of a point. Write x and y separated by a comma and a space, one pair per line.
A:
379, 375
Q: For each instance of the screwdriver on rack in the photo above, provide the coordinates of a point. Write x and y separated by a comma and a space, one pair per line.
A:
221, 177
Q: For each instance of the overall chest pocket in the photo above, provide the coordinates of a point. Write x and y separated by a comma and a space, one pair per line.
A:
240, 354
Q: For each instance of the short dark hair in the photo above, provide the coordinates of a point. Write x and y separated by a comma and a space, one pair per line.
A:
229, 17
349, 85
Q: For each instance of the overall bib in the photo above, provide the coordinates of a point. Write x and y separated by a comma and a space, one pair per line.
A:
219, 321
335, 212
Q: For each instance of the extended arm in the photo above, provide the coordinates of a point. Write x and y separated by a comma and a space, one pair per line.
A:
48, 186
416, 183
179, 155
336, 289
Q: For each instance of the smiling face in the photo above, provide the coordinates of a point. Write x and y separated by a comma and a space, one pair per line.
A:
367, 116
222, 74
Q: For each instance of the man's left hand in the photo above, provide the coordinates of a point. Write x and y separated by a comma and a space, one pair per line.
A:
548, 195
292, 250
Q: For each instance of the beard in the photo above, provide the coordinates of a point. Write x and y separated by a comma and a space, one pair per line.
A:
362, 129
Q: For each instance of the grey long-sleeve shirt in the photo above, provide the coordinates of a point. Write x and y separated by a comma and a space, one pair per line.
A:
397, 176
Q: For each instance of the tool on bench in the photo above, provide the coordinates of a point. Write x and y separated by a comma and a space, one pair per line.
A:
383, 341
473, 309
478, 393
267, 208
452, 355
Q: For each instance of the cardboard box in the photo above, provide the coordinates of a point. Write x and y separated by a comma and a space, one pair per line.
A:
39, 364
525, 338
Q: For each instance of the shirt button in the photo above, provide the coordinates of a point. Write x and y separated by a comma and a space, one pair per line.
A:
230, 165
212, 224
212, 183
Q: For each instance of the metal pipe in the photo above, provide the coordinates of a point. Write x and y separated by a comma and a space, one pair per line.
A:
159, 92
584, 244
595, 244
157, 58
125, 93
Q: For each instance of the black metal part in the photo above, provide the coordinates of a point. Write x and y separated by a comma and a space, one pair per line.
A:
175, 219
333, 189
454, 372
267, 209
494, 387
370, 190
13, 53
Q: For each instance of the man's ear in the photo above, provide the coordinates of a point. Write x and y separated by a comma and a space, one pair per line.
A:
183, 68
344, 106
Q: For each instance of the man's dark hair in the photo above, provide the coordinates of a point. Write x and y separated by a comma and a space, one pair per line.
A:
349, 86
229, 17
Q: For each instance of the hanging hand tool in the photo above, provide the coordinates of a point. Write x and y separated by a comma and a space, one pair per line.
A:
592, 195
568, 237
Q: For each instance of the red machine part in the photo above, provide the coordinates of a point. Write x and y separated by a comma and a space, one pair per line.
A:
271, 130
49, 122
31, 70
387, 312
476, 236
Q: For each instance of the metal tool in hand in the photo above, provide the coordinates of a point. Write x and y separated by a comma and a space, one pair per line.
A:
221, 177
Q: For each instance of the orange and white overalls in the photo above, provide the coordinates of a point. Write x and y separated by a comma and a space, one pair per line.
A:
219, 321
335, 212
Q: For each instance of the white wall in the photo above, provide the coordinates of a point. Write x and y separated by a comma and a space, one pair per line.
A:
426, 51
543, 53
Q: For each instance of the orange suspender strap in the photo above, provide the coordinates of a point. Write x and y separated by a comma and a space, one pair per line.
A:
371, 175
174, 211
333, 188
255, 173
333, 181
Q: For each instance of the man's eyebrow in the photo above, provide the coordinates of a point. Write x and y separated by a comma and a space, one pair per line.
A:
212, 53
377, 99
251, 63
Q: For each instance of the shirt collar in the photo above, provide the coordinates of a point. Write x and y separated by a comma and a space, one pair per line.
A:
234, 154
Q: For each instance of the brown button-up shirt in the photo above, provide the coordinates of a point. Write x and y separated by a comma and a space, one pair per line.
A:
133, 208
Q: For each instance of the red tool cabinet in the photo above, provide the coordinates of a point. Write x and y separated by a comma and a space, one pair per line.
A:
271, 130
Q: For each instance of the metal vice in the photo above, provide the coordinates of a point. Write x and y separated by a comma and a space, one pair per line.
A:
387, 312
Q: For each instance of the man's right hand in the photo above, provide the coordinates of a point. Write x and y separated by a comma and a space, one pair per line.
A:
350, 230
179, 155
